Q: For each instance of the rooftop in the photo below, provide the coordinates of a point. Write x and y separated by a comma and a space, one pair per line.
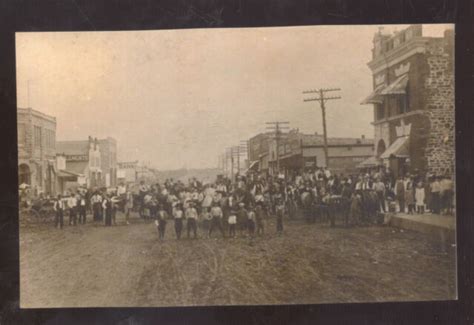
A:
72, 147
29, 110
318, 140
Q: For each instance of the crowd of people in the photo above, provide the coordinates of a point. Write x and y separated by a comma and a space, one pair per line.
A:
243, 205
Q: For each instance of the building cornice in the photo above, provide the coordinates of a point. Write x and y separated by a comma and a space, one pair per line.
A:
338, 145
400, 116
398, 54
36, 113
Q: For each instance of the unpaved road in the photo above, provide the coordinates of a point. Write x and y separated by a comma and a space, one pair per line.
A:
120, 266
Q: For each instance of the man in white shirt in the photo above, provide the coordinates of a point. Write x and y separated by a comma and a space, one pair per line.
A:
379, 188
121, 190
327, 173
59, 206
96, 201
191, 218
81, 202
216, 215
71, 204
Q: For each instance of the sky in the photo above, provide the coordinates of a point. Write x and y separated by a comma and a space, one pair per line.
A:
178, 98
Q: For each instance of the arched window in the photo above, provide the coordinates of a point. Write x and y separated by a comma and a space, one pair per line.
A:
381, 147
24, 174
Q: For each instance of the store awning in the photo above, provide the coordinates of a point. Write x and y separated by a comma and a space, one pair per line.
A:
398, 87
370, 162
253, 166
375, 96
398, 149
67, 174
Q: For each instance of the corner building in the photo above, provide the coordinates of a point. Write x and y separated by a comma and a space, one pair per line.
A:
413, 101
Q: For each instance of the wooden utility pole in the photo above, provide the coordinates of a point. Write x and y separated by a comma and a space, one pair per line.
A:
277, 127
229, 155
235, 153
322, 99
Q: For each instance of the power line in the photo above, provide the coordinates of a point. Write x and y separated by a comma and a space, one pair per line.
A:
322, 99
278, 126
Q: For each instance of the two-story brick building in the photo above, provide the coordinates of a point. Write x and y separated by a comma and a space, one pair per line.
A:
37, 150
413, 100
108, 158
82, 163
258, 152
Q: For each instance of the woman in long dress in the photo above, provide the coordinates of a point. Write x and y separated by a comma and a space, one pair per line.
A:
410, 196
107, 207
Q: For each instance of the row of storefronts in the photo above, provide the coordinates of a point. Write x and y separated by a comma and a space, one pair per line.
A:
298, 152
52, 167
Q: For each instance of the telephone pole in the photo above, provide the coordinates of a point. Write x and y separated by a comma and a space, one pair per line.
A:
235, 153
322, 99
277, 127
229, 155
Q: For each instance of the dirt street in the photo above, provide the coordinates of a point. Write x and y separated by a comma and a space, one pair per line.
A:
92, 265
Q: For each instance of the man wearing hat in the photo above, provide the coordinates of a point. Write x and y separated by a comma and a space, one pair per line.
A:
216, 219
435, 195
379, 188
59, 206
242, 217
400, 193
191, 219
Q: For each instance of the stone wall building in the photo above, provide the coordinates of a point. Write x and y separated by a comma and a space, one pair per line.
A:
37, 150
413, 100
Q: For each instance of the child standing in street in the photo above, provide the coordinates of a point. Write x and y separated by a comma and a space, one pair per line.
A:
178, 220
191, 220
232, 223
161, 217
251, 222
259, 220
420, 198
280, 210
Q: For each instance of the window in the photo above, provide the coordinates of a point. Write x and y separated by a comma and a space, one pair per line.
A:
47, 138
53, 139
37, 136
401, 104
39, 175
379, 111
402, 37
21, 133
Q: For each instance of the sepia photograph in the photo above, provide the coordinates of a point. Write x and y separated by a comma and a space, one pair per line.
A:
236, 166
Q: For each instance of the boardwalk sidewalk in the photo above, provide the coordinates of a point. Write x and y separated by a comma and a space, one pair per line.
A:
442, 227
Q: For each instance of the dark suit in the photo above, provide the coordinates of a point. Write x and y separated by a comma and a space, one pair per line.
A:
400, 194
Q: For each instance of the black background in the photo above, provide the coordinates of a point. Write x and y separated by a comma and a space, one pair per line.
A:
70, 15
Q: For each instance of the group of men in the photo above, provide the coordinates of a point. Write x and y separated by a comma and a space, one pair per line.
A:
245, 202
102, 204
221, 206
